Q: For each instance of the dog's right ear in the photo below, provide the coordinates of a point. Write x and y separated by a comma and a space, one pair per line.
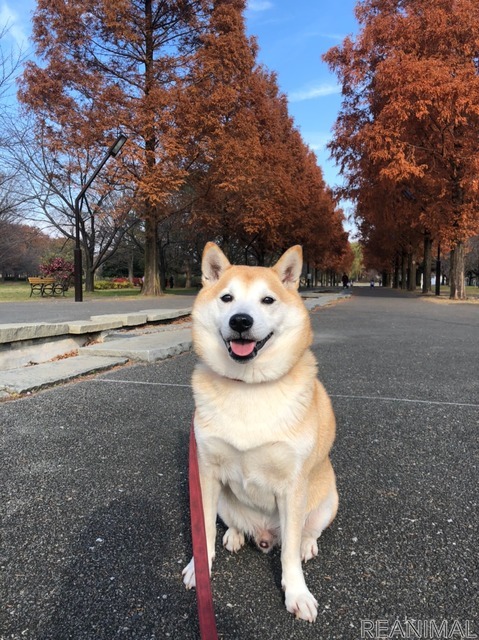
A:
213, 264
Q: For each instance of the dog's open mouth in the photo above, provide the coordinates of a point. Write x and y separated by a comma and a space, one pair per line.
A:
243, 350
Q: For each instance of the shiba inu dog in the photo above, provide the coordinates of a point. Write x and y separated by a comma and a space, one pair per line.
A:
264, 424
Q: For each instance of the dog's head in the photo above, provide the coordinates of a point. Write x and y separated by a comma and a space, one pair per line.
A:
249, 323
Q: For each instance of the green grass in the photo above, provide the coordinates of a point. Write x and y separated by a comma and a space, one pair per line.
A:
14, 291
108, 293
471, 292
20, 292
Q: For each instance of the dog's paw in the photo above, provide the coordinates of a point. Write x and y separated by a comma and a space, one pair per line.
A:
302, 604
189, 578
233, 540
309, 549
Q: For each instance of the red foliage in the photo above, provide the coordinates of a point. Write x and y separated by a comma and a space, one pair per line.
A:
59, 268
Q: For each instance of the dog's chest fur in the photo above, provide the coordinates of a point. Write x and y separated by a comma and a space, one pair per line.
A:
255, 475
248, 433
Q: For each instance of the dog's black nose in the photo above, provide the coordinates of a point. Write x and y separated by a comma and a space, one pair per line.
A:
241, 322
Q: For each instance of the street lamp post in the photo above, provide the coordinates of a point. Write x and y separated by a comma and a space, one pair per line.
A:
114, 150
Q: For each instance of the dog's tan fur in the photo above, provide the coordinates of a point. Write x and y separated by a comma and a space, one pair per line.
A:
264, 426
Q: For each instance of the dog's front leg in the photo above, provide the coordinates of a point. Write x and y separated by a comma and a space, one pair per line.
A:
210, 491
298, 598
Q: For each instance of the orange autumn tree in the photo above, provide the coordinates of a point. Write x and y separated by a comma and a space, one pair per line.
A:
319, 222
123, 65
392, 226
226, 140
410, 116
391, 237
245, 186
209, 131
261, 188
299, 207
251, 180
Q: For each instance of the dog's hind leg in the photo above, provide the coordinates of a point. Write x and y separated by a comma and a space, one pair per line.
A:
231, 512
233, 540
243, 521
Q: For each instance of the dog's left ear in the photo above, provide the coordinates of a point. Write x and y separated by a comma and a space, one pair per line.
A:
213, 264
289, 267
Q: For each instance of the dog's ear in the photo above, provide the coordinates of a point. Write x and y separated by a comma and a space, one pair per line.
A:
213, 264
289, 267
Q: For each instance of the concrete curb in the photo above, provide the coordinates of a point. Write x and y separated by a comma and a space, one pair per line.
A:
311, 302
15, 381
147, 348
16, 332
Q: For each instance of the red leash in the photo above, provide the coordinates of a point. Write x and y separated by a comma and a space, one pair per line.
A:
204, 598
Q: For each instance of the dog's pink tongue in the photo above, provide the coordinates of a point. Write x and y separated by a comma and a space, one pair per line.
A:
242, 347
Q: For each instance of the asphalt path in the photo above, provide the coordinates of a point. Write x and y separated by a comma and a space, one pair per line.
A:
66, 309
94, 506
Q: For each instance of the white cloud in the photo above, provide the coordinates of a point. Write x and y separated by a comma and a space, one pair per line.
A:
310, 93
337, 37
316, 141
259, 5
317, 146
11, 23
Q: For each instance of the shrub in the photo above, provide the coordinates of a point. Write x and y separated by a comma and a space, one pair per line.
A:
117, 283
122, 283
103, 284
59, 268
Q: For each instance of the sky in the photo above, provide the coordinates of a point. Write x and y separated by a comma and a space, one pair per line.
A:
292, 36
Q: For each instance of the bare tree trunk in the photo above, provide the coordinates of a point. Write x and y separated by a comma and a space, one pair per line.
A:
426, 281
151, 283
411, 268
131, 260
187, 274
403, 270
396, 272
89, 273
456, 276
89, 280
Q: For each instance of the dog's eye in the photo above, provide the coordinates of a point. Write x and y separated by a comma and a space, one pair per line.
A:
227, 298
267, 300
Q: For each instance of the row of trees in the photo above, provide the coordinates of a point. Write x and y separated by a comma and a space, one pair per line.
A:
22, 248
406, 137
212, 150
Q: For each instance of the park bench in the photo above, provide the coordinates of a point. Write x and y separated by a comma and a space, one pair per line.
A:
46, 287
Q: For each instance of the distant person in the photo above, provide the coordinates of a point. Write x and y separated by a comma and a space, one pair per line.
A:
345, 280
172, 282
371, 282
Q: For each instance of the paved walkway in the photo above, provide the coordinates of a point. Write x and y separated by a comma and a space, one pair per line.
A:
94, 511
62, 310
